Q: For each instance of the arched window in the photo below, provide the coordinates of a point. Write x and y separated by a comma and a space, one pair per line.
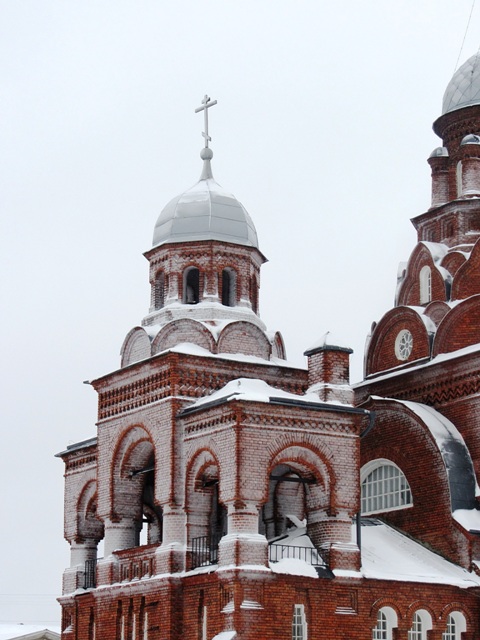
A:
159, 291
229, 287
456, 625
299, 623
459, 179
421, 623
384, 487
425, 285
386, 621
191, 286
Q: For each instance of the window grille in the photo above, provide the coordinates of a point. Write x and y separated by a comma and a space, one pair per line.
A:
380, 632
299, 623
385, 488
451, 632
416, 632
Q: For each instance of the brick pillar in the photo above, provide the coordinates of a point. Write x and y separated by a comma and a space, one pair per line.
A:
439, 164
329, 370
333, 536
170, 555
243, 544
470, 167
118, 535
80, 552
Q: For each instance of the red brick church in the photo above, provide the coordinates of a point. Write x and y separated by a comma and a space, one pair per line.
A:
239, 497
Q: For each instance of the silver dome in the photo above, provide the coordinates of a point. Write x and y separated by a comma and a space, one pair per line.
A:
463, 90
205, 212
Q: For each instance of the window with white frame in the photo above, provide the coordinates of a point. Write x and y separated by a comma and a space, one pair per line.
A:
386, 621
421, 623
425, 285
299, 623
456, 625
384, 487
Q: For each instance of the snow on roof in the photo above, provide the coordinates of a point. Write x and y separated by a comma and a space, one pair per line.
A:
389, 555
455, 454
331, 340
191, 349
468, 518
255, 390
28, 632
225, 635
437, 249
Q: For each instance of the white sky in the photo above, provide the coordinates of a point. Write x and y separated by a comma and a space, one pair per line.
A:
322, 130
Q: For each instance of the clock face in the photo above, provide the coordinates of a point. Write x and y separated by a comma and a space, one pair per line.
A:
403, 344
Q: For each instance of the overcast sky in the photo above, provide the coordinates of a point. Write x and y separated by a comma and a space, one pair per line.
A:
322, 130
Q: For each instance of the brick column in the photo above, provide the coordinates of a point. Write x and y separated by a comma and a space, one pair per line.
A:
243, 544
439, 164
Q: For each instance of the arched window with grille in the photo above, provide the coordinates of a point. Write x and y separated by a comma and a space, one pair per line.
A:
386, 621
456, 625
384, 487
421, 623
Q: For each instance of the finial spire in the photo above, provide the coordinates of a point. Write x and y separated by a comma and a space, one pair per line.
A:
206, 153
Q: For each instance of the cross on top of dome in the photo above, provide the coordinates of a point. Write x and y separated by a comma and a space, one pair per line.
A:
206, 104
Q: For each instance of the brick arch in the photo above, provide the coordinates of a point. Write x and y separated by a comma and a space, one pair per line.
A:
88, 524
409, 290
244, 337
200, 460
380, 603
436, 311
135, 347
381, 348
133, 451
460, 327
419, 605
453, 607
467, 279
205, 513
183, 330
453, 261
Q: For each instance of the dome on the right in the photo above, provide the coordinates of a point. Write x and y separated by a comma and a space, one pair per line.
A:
463, 90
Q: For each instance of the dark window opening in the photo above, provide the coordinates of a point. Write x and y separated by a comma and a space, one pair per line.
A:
192, 286
228, 288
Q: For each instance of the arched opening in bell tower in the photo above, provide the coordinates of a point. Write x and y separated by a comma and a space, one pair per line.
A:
191, 286
229, 287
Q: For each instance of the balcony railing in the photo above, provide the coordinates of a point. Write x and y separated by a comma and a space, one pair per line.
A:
205, 550
310, 555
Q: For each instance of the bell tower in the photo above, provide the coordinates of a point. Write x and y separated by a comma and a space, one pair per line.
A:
204, 275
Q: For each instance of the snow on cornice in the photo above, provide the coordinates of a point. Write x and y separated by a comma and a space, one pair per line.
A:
254, 390
441, 357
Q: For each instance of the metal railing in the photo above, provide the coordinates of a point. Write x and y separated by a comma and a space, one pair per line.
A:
277, 552
90, 575
205, 550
